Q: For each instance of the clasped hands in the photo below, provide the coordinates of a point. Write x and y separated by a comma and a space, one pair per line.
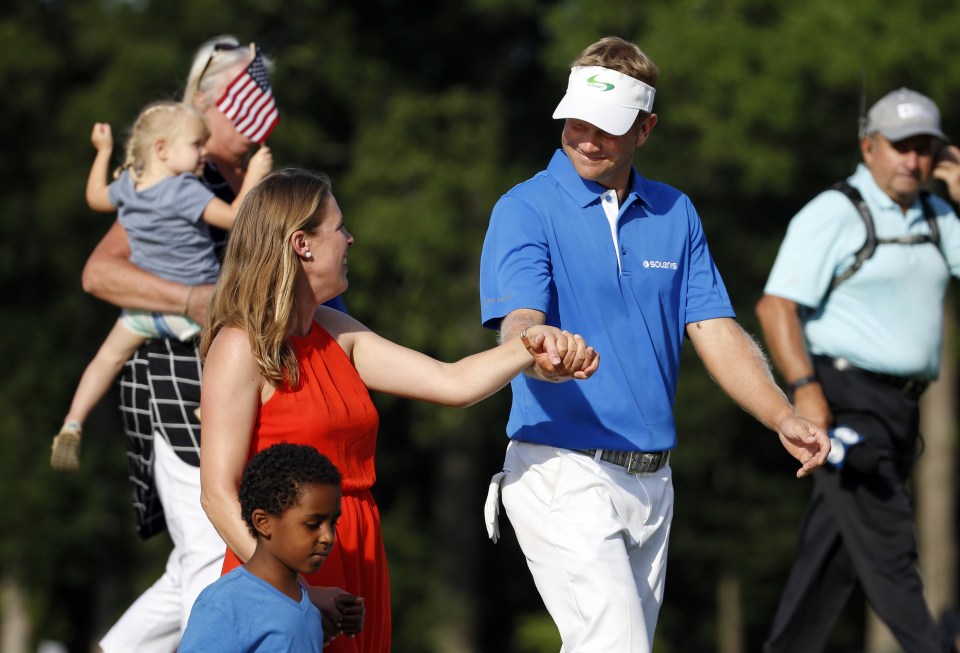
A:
342, 612
558, 355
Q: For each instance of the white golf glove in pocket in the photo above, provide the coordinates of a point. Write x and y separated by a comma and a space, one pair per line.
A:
491, 509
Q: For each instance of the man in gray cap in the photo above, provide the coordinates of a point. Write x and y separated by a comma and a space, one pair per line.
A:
590, 245
853, 314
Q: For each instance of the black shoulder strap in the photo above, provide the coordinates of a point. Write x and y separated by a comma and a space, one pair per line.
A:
931, 218
870, 244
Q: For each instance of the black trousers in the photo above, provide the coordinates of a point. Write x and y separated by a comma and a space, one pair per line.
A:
859, 525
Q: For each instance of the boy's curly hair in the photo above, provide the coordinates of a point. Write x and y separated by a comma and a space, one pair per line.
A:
274, 479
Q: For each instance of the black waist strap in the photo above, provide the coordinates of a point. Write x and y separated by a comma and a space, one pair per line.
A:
910, 386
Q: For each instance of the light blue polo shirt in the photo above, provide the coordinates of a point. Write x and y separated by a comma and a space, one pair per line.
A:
887, 317
549, 247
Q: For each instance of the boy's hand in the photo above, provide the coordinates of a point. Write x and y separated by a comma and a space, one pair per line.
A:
352, 613
102, 136
342, 613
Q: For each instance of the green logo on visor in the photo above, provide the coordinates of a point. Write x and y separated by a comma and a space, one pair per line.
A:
603, 86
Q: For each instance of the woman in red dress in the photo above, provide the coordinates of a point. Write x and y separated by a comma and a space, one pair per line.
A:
281, 367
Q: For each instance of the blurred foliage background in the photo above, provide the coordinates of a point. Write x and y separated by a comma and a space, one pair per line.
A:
424, 113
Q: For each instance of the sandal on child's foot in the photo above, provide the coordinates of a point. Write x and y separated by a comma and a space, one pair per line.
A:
65, 454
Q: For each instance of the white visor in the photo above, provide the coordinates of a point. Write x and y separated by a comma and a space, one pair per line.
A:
605, 98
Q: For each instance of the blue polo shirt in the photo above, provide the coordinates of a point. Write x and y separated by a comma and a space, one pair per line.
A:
549, 247
887, 317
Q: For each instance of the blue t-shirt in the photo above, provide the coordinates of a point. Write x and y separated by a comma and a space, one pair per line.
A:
165, 227
888, 316
240, 613
550, 247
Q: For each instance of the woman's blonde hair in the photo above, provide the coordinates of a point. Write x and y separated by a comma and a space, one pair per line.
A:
255, 290
159, 120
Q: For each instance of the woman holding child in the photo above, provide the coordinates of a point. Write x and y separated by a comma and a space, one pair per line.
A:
281, 367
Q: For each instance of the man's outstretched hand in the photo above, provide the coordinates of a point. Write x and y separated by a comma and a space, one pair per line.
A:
805, 441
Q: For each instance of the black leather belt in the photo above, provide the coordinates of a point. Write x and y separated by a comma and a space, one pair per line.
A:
912, 387
636, 462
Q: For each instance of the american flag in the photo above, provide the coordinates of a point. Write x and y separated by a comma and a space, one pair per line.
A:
248, 102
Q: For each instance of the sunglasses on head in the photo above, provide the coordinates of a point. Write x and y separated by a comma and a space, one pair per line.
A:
223, 47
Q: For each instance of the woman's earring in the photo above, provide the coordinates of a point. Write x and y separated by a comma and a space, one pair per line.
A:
308, 256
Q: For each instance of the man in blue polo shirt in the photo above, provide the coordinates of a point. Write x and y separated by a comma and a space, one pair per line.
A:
591, 246
857, 345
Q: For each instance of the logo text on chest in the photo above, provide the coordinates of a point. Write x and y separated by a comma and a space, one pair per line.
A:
663, 265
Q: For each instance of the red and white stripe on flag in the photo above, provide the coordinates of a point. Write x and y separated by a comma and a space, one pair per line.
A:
249, 104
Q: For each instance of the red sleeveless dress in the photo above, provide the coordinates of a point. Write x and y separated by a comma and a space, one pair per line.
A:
332, 411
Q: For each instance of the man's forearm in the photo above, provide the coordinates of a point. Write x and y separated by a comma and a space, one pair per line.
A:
109, 275
783, 333
737, 363
518, 320
511, 326
125, 285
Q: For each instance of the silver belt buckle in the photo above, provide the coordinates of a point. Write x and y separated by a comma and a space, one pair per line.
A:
841, 364
640, 462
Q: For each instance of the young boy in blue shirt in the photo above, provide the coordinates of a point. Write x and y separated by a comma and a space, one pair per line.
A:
290, 501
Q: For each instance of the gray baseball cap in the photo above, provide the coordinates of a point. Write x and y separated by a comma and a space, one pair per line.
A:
904, 113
